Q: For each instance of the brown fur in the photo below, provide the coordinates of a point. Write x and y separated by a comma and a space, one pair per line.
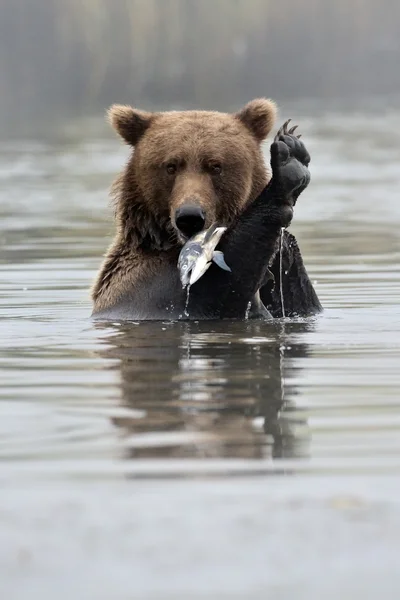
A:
147, 196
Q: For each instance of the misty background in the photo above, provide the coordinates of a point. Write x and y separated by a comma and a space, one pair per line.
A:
68, 59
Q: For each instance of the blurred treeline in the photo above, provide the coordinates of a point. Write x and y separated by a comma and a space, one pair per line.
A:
75, 57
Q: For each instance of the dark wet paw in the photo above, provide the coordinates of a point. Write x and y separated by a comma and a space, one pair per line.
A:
289, 162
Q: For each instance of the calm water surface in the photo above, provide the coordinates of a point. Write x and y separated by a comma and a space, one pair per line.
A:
200, 460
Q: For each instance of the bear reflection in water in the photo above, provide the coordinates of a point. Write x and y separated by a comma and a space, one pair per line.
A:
207, 391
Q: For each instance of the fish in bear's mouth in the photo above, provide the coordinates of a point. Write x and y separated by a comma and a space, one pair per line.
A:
199, 252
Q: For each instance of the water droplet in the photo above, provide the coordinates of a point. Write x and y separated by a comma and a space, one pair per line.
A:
186, 312
281, 272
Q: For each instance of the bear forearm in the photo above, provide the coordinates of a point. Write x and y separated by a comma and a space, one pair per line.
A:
299, 296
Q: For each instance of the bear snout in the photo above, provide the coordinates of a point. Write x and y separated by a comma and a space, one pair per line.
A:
189, 219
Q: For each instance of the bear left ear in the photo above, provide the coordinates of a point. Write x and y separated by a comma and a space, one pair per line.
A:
259, 117
129, 122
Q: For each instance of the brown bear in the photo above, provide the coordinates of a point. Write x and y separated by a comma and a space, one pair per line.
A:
189, 170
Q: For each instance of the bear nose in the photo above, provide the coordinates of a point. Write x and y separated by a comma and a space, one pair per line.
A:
189, 219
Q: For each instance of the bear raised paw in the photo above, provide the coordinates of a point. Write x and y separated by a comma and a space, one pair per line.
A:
189, 170
289, 161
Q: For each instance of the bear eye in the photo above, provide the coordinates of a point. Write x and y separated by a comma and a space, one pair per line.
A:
215, 168
171, 168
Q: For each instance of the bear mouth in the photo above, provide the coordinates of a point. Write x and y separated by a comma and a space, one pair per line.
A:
181, 237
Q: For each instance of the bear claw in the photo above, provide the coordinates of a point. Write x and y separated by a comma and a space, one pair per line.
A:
283, 131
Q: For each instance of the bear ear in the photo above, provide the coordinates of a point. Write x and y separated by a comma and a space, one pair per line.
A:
129, 122
259, 117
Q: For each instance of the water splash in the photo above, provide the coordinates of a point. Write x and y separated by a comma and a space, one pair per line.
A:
281, 272
247, 313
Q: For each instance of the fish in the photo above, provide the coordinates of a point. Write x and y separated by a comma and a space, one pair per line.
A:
198, 253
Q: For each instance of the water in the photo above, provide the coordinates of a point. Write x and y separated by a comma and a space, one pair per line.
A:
200, 460
281, 273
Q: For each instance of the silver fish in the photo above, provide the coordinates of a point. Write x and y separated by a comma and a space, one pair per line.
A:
198, 253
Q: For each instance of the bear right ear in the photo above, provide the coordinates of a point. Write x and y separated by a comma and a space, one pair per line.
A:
259, 117
129, 122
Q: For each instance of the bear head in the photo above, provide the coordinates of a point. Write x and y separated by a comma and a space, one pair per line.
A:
188, 170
